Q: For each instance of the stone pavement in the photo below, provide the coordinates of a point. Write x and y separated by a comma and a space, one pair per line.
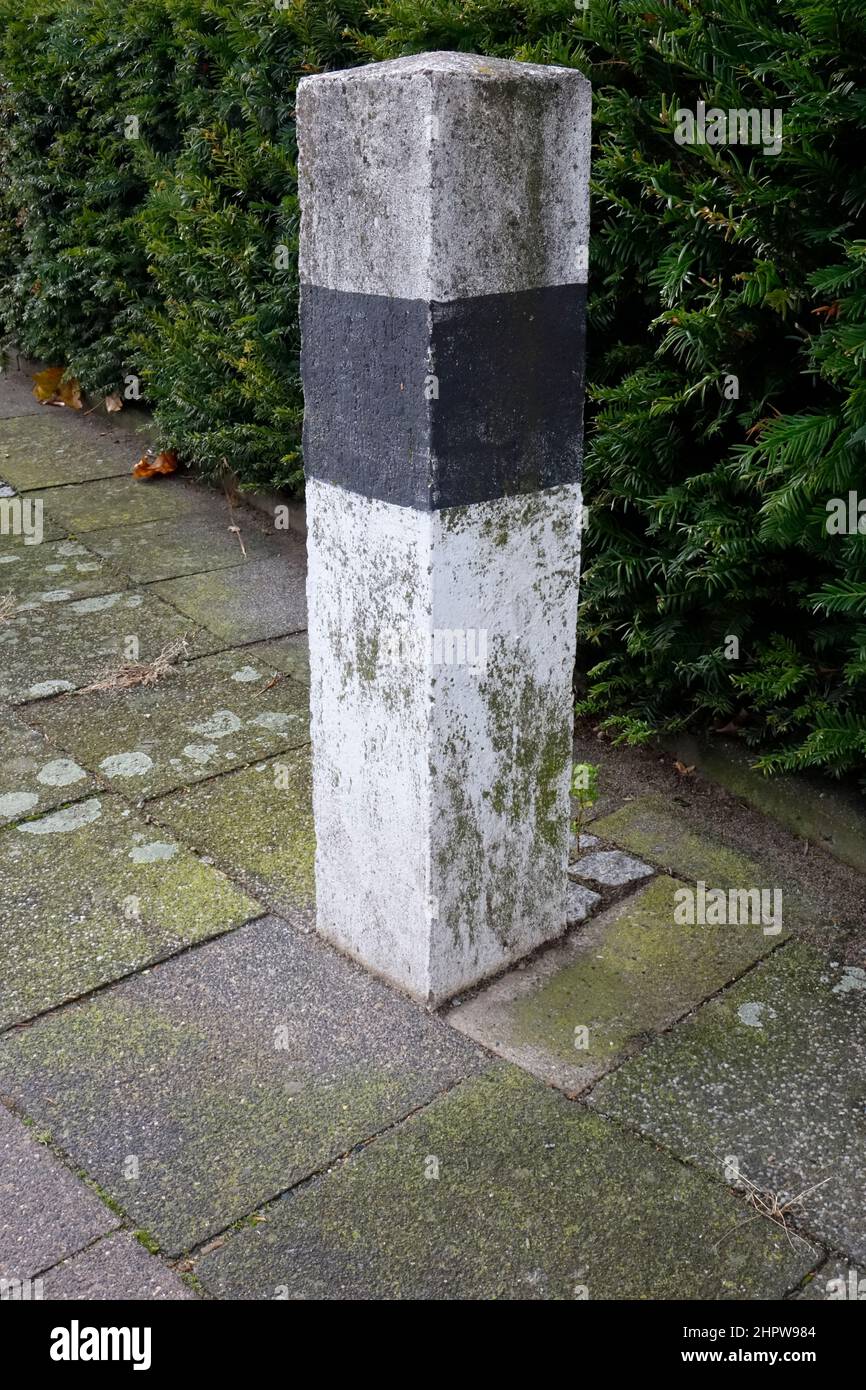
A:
201, 1099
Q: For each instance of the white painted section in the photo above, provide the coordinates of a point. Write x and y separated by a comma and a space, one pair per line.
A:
441, 789
407, 169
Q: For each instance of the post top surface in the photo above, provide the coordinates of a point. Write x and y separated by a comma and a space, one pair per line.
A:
447, 64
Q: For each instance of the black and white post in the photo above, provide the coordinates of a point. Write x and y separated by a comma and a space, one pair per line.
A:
443, 279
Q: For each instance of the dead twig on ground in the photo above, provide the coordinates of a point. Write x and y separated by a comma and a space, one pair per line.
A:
770, 1206
7, 608
133, 673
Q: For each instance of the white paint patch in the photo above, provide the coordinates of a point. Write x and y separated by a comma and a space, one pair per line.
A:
70, 818
55, 595
275, 721
134, 764
200, 753
154, 852
55, 569
17, 803
70, 548
62, 772
88, 566
753, 1014
440, 858
9, 559
219, 725
246, 673
96, 605
853, 978
134, 601
43, 688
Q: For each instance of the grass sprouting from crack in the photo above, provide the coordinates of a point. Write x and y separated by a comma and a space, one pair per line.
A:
140, 672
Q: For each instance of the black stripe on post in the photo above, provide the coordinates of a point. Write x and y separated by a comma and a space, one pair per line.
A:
443, 404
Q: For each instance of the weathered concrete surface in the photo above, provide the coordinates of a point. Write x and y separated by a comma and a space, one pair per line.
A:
230, 1073
249, 604
55, 571
45, 1212
610, 868
826, 815
441, 791
57, 647
50, 451
291, 655
771, 1072
534, 1199
115, 1268
16, 391
256, 824
579, 903
121, 502
34, 777
91, 892
204, 718
836, 1281
520, 190
583, 1006
191, 545
650, 828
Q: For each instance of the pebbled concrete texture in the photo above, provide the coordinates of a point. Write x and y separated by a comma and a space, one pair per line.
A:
92, 892
230, 1073
45, 1212
835, 1282
534, 1199
261, 600
582, 1007
121, 501
194, 544
117, 1267
417, 205
204, 718
34, 776
772, 1073
51, 450
57, 647
610, 868
55, 571
256, 824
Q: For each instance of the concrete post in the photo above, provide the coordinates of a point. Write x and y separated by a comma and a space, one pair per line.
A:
443, 268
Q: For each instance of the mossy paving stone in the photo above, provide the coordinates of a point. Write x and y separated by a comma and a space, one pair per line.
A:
55, 571
535, 1199
122, 502
257, 824
91, 892
290, 655
117, 1267
191, 545
45, 1212
626, 975
58, 647
261, 600
34, 777
231, 1073
649, 827
12, 544
772, 1072
51, 450
203, 717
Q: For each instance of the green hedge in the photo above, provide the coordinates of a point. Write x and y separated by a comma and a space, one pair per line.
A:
708, 514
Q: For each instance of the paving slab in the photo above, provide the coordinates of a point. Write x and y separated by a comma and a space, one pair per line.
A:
503, 1189
651, 828
611, 868
16, 392
57, 647
579, 903
266, 598
91, 892
52, 449
836, 1281
191, 545
587, 1003
832, 817
117, 1267
256, 824
290, 655
773, 1074
34, 776
122, 501
230, 1074
56, 571
45, 1212
15, 541
204, 717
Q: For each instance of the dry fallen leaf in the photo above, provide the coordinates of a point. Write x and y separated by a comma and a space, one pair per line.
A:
50, 388
682, 769
147, 466
113, 403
